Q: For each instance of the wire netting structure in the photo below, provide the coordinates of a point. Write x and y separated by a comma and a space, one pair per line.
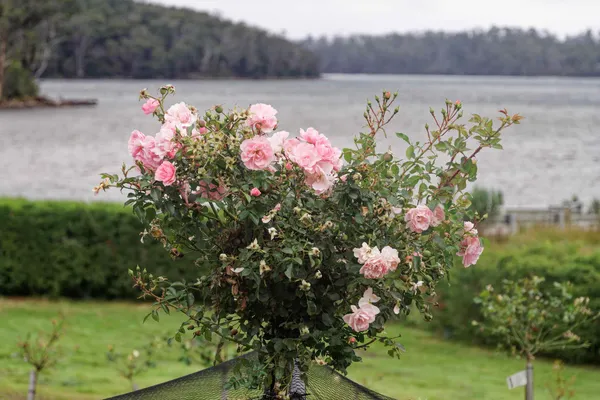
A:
209, 384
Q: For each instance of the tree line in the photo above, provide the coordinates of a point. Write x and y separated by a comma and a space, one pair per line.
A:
497, 51
129, 39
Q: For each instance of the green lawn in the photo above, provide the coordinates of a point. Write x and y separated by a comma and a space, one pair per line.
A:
431, 369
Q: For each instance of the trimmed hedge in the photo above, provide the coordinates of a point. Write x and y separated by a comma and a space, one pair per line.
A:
76, 250
556, 261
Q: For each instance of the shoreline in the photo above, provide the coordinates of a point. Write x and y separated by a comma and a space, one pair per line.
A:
45, 102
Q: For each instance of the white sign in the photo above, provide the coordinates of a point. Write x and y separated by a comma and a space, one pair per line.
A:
516, 380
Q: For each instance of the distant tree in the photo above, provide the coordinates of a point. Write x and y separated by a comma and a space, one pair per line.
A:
497, 51
26, 34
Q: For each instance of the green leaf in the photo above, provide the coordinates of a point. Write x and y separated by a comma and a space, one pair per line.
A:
178, 337
403, 137
190, 299
155, 315
395, 169
410, 152
289, 272
312, 308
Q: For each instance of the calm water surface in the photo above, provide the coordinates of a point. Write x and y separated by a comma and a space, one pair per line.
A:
555, 153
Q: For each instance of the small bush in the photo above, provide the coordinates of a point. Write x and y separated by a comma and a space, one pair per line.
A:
18, 82
556, 261
76, 250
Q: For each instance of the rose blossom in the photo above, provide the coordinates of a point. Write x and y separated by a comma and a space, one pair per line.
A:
180, 115
165, 173
419, 218
469, 228
391, 257
361, 317
438, 215
255, 192
262, 117
257, 153
470, 250
321, 179
150, 105
375, 267
311, 135
277, 141
165, 146
149, 155
304, 155
136, 143
362, 253
368, 298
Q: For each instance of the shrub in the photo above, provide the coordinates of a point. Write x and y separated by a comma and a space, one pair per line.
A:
75, 250
554, 260
18, 82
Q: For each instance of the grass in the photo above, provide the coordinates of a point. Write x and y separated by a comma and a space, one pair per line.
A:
431, 369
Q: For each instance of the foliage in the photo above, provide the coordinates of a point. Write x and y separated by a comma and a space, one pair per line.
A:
543, 253
134, 363
530, 320
497, 51
278, 223
431, 368
124, 38
19, 82
560, 388
486, 201
75, 250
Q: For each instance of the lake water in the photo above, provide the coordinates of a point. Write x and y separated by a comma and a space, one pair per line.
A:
553, 154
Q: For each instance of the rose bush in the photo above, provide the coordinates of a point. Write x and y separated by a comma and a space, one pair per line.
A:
306, 250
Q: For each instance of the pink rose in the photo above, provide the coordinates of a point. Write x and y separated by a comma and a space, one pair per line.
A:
305, 156
257, 153
255, 192
469, 228
277, 141
391, 257
344, 177
320, 179
311, 135
136, 143
150, 105
419, 218
470, 250
180, 115
165, 173
361, 317
368, 298
438, 215
165, 146
375, 267
262, 118
362, 253
149, 156
288, 166
211, 191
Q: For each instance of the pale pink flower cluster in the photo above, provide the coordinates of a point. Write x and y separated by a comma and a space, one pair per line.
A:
363, 315
470, 246
376, 264
311, 151
152, 151
262, 118
420, 218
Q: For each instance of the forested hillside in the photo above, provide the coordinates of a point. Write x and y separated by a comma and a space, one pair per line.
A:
498, 51
123, 38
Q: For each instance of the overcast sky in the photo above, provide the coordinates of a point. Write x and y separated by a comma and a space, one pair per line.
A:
298, 18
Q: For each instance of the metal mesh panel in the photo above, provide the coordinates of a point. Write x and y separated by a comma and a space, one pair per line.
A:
208, 384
